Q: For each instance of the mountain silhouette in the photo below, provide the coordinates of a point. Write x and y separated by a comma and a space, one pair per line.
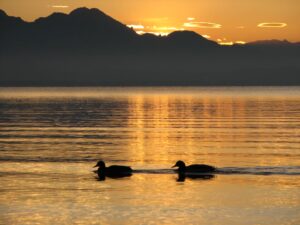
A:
86, 28
9, 21
190, 37
88, 47
83, 27
91, 24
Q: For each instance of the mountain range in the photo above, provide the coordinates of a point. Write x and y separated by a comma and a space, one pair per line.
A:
88, 47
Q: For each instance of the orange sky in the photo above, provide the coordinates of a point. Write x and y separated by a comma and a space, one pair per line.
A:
220, 20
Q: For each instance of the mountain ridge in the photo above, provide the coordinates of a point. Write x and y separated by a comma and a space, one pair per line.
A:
94, 14
95, 21
88, 47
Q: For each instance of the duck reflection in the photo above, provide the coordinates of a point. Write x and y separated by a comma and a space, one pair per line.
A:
182, 177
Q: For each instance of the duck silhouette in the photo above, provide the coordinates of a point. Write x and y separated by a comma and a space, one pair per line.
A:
193, 169
114, 171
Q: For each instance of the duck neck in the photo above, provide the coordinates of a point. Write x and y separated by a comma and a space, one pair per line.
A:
101, 169
181, 169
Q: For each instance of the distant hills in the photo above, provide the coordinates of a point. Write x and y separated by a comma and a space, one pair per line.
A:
273, 43
85, 28
88, 47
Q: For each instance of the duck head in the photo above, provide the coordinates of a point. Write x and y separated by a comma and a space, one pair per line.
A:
100, 164
180, 164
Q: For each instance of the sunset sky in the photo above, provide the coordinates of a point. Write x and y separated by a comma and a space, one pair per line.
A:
226, 21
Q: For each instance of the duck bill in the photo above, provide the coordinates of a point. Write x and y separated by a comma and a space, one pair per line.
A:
95, 166
174, 166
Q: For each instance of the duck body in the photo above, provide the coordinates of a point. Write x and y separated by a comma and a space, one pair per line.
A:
199, 168
114, 171
195, 168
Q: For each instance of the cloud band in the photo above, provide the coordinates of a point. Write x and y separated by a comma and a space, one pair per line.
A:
272, 25
202, 25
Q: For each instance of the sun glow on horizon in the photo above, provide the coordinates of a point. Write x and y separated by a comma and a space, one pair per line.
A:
190, 18
206, 36
165, 31
156, 30
240, 42
229, 43
136, 26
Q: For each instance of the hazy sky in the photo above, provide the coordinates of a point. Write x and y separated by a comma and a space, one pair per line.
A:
221, 20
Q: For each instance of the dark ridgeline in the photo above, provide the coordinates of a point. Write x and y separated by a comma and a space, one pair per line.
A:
87, 47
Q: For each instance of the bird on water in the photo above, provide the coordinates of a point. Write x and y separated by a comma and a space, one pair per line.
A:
195, 168
113, 171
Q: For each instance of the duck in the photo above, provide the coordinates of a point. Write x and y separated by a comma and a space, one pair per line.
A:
113, 171
195, 168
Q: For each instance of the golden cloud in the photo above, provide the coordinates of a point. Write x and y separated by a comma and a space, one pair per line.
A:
202, 25
136, 26
205, 36
228, 43
60, 6
156, 30
240, 42
140, 32
224, 41
159, 33
166, 28
272, 25
190, 18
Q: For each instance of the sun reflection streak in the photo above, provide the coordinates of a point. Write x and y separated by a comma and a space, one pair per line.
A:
137, 114
186, 127
151, 118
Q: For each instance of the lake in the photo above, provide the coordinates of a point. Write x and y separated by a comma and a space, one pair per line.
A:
50, 139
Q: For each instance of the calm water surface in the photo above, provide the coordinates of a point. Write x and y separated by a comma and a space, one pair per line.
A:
50, 138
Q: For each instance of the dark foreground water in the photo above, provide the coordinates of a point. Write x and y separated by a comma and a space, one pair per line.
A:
50, 138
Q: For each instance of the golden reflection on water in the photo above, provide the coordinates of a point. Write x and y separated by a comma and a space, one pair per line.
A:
211, 126
55, 193
50, 143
